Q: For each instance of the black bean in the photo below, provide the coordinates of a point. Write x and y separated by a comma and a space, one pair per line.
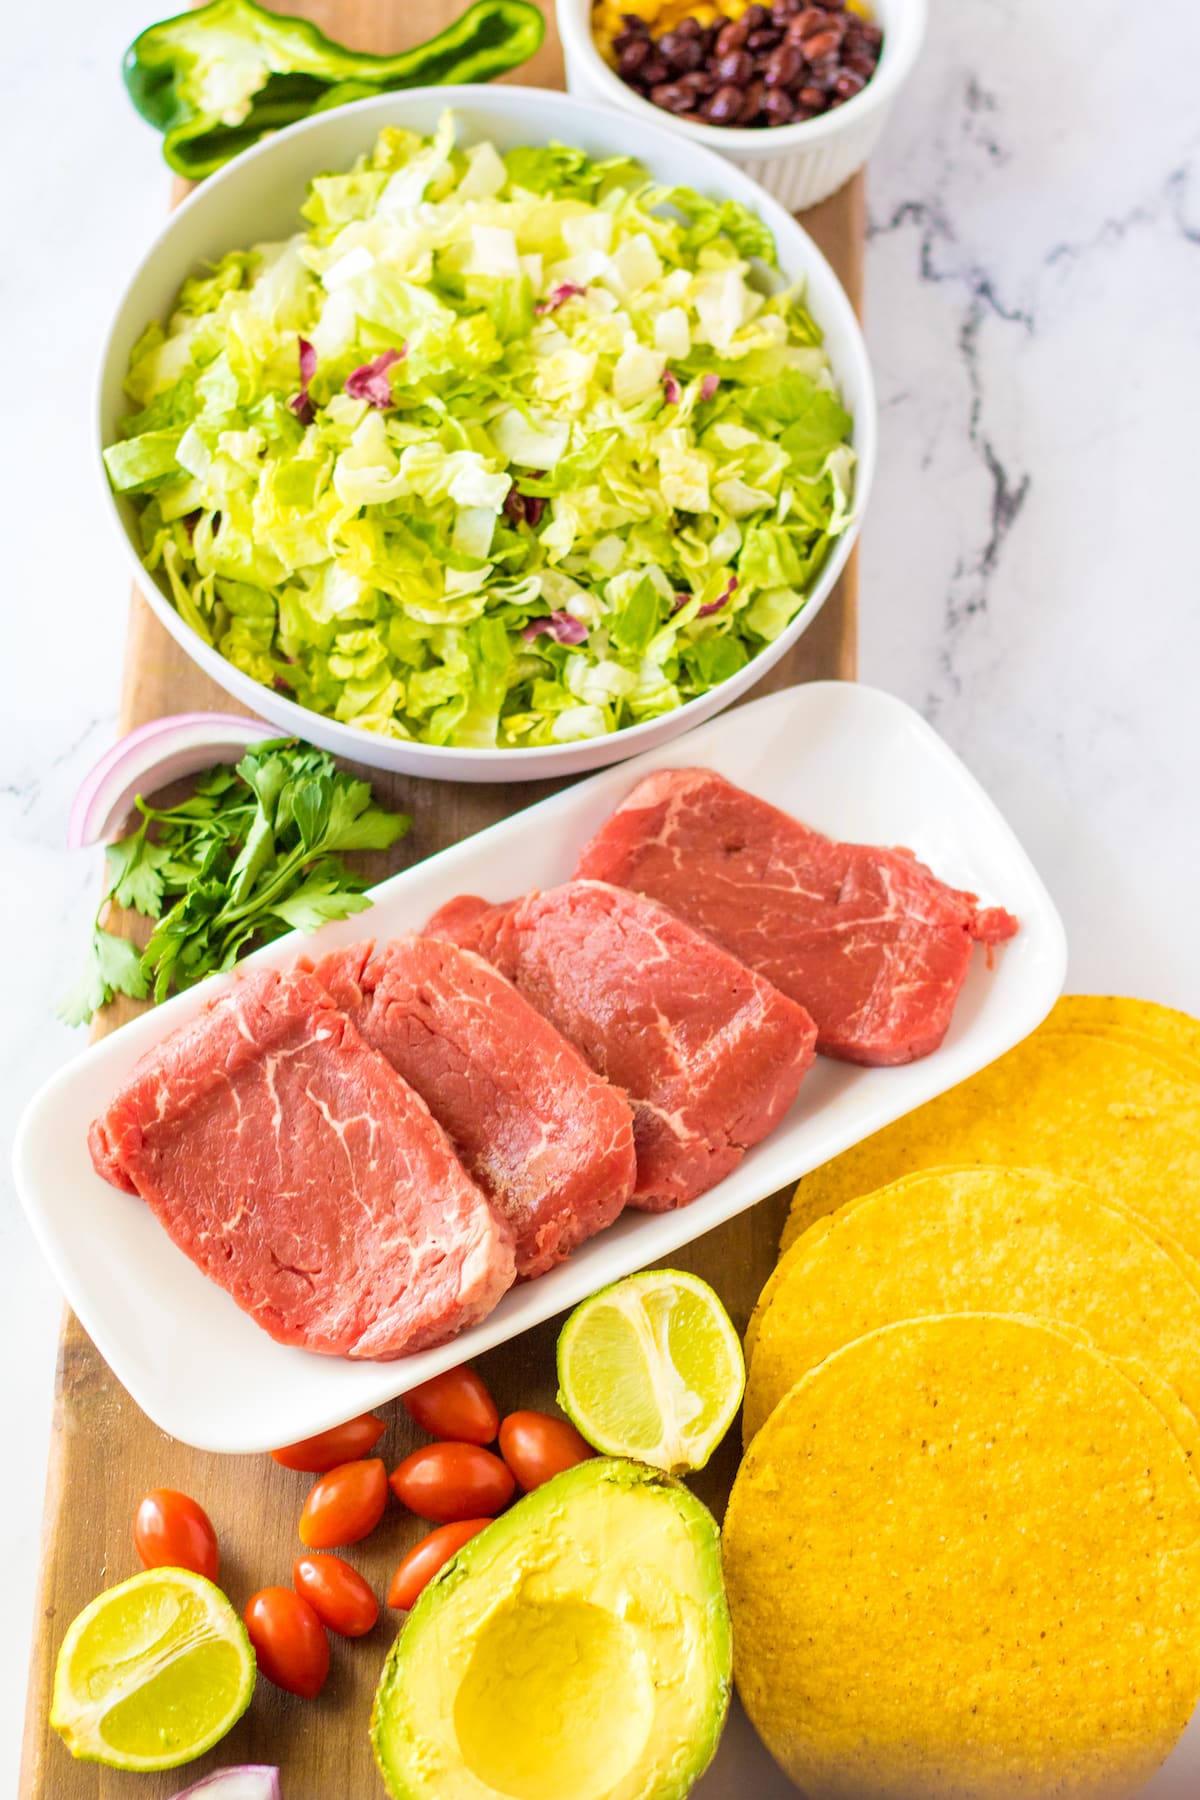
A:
762, 41
848, 84
690, 28
783, 10
807, 23
755, 17
819, 46
778, 108
812, 99
724, 106
654, 70
632, 57
752, 103
783, 66
671, 97
682, 53
732, 36
823, 74
736, 68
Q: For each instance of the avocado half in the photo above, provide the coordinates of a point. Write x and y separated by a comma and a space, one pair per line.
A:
577, 1649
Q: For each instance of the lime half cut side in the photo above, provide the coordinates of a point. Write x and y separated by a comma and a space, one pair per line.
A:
153, 1673
651, 1368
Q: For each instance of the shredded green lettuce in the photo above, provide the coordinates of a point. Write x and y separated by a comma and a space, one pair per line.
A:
538, 388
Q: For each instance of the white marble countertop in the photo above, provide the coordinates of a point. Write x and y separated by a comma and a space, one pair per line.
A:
1028, 576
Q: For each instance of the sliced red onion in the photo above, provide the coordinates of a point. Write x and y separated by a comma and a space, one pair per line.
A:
371, 381
245, 1781
672, 392
560, 626
300, 403
709, 385
558, 296
149, 758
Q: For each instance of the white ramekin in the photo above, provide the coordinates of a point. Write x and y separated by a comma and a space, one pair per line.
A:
258, 196
798, 164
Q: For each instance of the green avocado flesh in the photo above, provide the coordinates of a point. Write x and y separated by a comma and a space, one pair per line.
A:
577, 1649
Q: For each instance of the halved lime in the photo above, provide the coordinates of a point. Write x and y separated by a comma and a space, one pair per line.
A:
652, 1368
153, 1673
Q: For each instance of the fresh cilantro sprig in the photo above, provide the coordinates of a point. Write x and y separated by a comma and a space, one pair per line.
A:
254, 852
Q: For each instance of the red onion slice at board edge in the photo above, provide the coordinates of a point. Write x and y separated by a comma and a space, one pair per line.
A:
245, 1781
163, 751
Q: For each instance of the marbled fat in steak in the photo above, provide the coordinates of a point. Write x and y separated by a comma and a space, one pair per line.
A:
868, 940
709, 1053
304, 1176
546, 1138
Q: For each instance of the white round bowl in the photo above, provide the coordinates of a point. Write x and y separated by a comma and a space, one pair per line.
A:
798, 164
257, 197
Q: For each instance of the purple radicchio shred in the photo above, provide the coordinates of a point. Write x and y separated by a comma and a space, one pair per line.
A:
716, 605
523, 509
672, 392
560, 626
371, 381
300, 403
708, 386
558, 296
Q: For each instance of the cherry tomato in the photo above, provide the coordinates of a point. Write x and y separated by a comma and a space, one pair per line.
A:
452, 1481
537, 1445
454, 1405
338, 1595
170, 1531
330, 1449
289, 1641
426, 1558
344, 1505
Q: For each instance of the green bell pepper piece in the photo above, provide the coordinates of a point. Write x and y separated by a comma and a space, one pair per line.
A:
216, 80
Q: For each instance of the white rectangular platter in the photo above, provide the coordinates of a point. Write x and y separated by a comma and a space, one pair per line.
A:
850, 760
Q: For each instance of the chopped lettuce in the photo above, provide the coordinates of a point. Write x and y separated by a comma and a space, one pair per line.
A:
498, 449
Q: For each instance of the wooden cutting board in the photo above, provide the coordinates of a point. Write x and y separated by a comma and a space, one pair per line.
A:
105, 1453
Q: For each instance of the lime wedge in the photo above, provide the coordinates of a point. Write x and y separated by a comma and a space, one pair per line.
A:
652, 1368
152, 1673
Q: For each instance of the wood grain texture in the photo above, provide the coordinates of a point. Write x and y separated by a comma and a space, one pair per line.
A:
105, 1453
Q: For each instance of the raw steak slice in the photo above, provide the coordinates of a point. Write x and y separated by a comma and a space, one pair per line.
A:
869, 940
711, 1055
300, 1173
547, 1140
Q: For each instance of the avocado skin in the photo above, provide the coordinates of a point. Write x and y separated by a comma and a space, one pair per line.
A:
412, 1770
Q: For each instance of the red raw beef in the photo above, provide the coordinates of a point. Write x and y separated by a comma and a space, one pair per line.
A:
710, 1055
293, 1165
869, 940
547, 1140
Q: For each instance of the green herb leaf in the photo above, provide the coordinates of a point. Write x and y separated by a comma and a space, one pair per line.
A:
114, 966
135, 873
253, 852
